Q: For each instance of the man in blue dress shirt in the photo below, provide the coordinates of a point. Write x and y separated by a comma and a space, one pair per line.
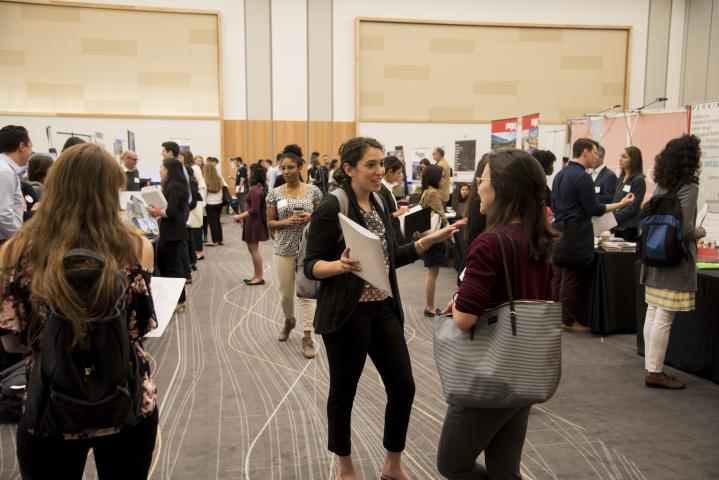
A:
576, 203
605, 180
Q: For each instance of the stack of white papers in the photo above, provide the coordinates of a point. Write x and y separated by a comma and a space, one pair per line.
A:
366, 246
153, 197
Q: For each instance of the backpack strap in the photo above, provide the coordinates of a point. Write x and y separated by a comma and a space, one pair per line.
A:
342, 198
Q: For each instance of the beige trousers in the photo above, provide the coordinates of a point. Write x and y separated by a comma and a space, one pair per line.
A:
285, 267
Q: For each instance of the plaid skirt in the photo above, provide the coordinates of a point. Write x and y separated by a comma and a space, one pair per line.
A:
669, 299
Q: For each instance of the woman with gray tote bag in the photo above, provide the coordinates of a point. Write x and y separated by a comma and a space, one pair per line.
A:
489, 405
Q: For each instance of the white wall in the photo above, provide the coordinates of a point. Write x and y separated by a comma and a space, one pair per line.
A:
203, 136
289, 60
575, 12
418, 135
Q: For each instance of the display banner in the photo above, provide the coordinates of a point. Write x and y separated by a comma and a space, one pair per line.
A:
417, 155
504, 133
530, 132
704, 123
465, 158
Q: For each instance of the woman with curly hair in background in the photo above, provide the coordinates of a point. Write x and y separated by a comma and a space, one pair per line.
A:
672, 289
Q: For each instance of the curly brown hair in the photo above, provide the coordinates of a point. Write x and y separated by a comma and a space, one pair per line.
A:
678, 163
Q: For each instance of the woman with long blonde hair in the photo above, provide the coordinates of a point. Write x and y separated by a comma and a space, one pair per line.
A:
213, 202
80, 210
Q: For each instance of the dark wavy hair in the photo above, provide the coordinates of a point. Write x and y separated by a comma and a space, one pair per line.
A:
292, 148
351, 152
546, 159
258, 174
678, 163
518, 181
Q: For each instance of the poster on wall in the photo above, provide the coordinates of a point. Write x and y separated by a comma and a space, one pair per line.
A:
704, 123
131, 141
530, 132
117, 147
417, 155
504, 134
465, 155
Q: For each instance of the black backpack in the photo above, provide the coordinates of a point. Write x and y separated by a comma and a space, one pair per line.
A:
95, 384
660, 242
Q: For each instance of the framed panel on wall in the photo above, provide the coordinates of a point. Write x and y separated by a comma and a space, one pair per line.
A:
115, 61
454, 72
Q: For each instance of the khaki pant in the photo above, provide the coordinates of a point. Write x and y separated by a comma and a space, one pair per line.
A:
285, 267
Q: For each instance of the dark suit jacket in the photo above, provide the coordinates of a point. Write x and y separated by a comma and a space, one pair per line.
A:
607, 183
628, 217
339, 295
173, 224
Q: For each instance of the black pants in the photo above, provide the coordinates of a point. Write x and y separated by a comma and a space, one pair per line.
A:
126, 455
372, 329
213, 220
191, 248
169, 260
204, 225
569, 287
196, 236
467, 432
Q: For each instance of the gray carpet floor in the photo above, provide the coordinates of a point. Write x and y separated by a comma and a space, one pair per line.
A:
237, 404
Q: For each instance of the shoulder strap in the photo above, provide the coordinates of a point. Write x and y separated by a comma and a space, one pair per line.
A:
342, 198
512, 310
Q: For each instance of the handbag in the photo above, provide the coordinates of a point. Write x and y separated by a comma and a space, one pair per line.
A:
226, 197
576, 247
512, 356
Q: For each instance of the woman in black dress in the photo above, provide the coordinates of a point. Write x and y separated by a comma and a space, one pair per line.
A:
255, 218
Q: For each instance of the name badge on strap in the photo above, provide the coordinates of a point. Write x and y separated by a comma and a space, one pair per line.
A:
627, 188
597, 189
136, 179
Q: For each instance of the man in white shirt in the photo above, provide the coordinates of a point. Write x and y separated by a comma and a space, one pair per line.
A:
15, 151
445, 188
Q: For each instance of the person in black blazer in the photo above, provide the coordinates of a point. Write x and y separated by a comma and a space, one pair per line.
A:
392, 176
173, 231
354, 318
630, 181
605, 180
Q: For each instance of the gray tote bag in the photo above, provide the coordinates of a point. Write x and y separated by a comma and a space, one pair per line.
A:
512, 357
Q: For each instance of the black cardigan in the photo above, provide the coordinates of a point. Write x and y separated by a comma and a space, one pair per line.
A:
339, 295
628, 217
391, 203
173, 224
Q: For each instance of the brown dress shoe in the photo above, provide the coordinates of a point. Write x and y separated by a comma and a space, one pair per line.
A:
662, 380
308, 348
285, 332
576, 327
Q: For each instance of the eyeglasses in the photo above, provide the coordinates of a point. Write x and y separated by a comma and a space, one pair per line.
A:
479, 179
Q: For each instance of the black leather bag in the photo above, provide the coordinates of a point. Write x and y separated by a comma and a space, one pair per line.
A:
226, 197
576, 247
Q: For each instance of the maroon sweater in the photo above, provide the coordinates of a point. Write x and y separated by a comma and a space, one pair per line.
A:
484, 284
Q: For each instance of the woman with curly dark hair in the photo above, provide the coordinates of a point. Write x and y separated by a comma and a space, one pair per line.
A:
672, 289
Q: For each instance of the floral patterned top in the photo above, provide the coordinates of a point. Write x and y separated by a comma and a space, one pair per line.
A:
18, 306
375, 225
287, 240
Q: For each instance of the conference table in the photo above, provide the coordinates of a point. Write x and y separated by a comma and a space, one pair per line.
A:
694, 339
611, 291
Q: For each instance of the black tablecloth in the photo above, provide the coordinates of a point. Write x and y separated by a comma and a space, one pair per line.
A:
694, 339
613, 289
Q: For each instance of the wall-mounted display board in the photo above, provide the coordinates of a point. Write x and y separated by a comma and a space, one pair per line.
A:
453, 72
113, 61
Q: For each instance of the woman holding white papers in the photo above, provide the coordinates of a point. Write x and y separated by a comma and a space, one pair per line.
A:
355, 318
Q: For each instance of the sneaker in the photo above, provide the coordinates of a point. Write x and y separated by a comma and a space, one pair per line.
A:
661, 380
285, 332
180, 307
308, 348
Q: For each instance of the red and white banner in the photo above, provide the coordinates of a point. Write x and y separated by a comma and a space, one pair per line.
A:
530, 132
504, 134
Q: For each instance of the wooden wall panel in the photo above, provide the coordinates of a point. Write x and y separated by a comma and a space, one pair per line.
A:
321, 139
258, 141
287, 132
234, 144
342, 132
